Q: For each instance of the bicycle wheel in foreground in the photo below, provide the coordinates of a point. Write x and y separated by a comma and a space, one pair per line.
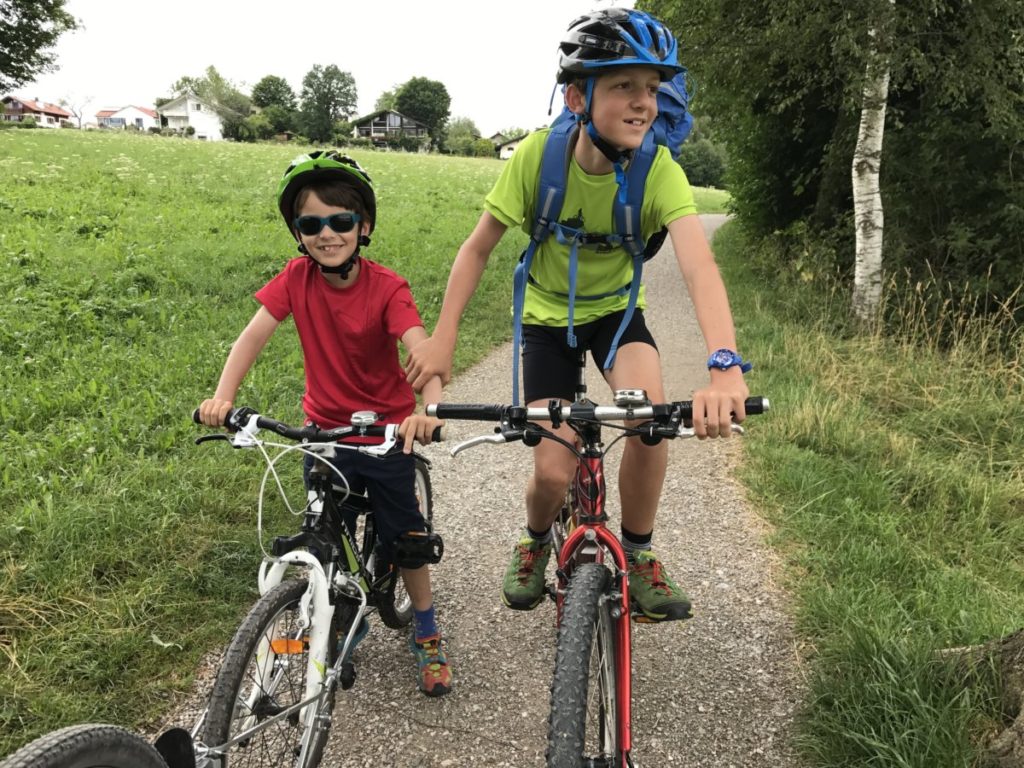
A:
263, 673
395, 608
584, 711
87, 746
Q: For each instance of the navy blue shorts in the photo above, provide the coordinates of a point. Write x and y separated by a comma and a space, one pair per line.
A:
391, 482
549, 363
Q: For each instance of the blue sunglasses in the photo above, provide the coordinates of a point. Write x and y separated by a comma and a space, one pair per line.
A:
339, 222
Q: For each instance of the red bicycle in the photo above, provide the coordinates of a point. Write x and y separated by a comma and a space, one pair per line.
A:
591, 694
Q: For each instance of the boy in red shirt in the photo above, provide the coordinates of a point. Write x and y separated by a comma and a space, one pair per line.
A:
350, 313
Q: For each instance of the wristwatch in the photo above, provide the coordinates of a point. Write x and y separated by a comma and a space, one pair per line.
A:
724, 359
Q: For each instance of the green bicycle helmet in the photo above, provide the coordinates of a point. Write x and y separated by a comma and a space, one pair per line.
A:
324, 164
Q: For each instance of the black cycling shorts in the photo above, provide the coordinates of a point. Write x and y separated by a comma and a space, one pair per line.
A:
391, 481
549, 363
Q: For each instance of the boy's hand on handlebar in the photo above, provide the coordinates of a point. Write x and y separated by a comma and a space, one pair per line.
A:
431, 357
212, 412
418, 427
720, 404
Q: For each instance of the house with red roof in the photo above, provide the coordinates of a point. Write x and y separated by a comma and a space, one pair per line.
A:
46, 115
140, 118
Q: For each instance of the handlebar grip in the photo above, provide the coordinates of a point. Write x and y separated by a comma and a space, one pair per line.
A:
195, 417
756, 405
437, 437
471, 412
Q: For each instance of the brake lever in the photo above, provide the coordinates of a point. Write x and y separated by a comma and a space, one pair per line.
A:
508, 436
206, 438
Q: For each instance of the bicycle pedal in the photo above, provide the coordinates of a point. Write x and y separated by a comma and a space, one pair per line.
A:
347, 678
551, 591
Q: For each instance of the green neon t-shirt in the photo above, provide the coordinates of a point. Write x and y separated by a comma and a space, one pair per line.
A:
587, 206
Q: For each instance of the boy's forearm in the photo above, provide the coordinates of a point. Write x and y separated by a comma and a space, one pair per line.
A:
704, 282
466, 272
432, 391
711, 305
243, 354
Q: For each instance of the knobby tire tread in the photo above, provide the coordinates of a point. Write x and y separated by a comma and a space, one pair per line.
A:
232, 676
87, 746
568, 716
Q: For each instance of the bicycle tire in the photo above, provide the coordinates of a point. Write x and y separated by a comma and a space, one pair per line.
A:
92, 745
583, 723
394, 604
274, 616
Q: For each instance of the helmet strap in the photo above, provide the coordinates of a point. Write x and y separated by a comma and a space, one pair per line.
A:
341, 269
616, 157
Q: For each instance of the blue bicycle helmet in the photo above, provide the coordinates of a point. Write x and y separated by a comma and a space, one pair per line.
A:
616, 37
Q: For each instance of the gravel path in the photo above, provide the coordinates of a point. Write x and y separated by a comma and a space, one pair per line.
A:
718, 690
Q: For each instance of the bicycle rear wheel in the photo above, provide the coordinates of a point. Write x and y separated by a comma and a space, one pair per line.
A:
583, 724
87, 746
394, 604
264, 673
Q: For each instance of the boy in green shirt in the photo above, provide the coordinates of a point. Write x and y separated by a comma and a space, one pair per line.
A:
612, 62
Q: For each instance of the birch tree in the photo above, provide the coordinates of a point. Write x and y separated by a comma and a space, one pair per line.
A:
869, 217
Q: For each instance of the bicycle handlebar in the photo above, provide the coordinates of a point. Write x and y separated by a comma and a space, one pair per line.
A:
662, 412
238, 418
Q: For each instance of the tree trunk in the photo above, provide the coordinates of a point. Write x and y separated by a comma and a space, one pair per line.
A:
1006, 656
867, 161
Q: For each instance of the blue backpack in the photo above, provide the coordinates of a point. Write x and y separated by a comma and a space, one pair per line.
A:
670, 129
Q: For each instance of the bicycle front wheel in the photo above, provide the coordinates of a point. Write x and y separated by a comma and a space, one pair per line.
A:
583, 724
87, 746
395, 605
264, 673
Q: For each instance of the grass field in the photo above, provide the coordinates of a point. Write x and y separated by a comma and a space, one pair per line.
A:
128, 268
891, 466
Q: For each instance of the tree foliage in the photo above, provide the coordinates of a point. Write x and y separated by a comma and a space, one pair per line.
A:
386, 100
461, 135
28, 28
426, 101
328, 95
273, 91
513, 133
783, 80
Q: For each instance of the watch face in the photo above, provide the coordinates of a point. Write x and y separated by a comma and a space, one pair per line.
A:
721, 358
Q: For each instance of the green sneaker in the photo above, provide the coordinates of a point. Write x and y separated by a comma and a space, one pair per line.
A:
523, 585
655, 597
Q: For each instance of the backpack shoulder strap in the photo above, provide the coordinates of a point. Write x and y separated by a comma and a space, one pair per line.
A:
626, 214
554, 170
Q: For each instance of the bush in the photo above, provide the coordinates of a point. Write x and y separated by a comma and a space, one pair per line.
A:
704, 163
352, 141
27, 122
484, 148
190, 130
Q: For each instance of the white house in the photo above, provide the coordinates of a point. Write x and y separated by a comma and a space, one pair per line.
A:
189, 110
506, 149
139, 117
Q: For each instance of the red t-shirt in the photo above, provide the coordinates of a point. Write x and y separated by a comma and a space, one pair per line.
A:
349, 339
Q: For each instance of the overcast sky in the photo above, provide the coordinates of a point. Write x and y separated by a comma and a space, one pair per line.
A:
497, 60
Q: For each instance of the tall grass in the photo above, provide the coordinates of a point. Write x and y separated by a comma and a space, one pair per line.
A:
127, 265
892, 469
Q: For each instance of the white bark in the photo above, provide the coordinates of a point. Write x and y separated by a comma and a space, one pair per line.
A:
867, 160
